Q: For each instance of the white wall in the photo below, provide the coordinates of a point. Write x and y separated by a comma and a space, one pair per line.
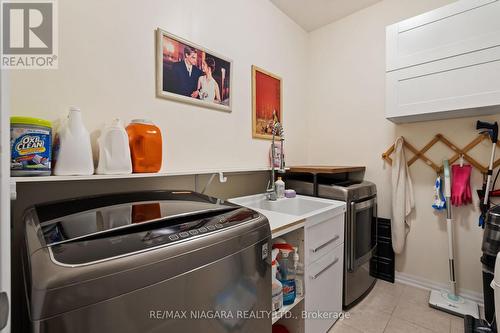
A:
347, 126
336, 74
107, 67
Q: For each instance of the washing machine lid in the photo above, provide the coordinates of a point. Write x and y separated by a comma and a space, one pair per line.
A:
79, 268
93, 229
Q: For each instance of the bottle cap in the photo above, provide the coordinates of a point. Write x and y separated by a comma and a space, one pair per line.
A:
117, 122
75, 108
283, 246
142, 121
30, 121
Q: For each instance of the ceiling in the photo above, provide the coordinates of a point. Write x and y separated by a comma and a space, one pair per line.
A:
312, 14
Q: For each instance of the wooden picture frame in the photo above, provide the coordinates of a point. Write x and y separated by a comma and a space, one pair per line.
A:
267, 97
182, 73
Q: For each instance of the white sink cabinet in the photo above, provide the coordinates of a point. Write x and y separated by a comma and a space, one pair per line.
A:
316, 226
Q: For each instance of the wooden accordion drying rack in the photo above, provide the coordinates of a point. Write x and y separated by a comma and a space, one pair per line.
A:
420, 154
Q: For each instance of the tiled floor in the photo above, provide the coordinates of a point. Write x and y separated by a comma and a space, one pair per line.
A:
394, 308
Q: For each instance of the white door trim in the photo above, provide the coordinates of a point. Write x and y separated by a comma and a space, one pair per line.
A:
5, 270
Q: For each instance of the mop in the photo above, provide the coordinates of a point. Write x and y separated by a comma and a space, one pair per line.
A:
449, 301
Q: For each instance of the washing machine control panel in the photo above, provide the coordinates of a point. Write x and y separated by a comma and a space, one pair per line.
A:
182, 231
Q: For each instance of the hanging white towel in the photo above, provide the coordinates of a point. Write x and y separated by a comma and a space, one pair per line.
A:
403, 200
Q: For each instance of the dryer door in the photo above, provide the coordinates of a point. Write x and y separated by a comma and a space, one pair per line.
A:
363, 232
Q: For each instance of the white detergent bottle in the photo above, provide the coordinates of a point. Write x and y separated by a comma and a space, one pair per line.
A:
114, 150
72, 148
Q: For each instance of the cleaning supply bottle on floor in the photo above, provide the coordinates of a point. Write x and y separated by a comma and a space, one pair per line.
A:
72, 148
114, 150
277, 287
145, 146
280, 188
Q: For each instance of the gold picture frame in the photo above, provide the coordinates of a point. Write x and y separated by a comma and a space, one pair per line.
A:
267, 98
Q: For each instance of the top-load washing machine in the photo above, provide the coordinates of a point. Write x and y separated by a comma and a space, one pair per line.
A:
158, 261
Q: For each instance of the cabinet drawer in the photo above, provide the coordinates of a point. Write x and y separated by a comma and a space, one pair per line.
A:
323, 282
322, 237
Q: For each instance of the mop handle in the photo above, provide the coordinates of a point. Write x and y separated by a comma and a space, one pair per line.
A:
449, 226
447, 179
492, 130
490, 173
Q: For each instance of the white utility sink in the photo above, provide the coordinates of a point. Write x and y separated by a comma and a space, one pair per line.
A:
297, 206
289, 212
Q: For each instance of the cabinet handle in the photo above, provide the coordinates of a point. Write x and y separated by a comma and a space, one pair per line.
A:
315, 276
316, 249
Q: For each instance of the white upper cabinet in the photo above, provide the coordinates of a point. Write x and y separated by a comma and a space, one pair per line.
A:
444, 63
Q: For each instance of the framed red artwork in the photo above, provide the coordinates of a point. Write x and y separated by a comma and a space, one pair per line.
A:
267, 102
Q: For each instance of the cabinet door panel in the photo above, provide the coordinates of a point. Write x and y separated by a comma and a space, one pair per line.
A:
459, 83
323, 281
456, 29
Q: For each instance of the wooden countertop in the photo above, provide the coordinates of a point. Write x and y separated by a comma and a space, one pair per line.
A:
327, 169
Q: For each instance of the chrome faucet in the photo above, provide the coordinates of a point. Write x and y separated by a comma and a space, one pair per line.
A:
277, 129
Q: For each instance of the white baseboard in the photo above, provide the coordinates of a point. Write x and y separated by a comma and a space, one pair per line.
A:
423, 283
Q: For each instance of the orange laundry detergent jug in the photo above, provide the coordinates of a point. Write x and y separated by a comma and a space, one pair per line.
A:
145, 146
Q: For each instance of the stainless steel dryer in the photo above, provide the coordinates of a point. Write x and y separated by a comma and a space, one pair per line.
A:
360, 235
158, 261
360, 228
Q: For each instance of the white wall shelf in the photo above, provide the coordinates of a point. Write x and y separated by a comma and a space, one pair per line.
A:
277, 315
133, 175
15, 180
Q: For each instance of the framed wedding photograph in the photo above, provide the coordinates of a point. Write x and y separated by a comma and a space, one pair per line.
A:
267, 102
189, 73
